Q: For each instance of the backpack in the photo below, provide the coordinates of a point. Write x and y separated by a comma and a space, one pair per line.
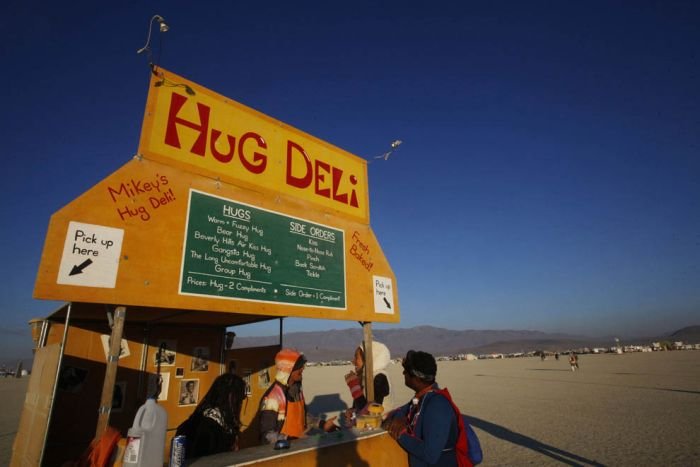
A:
468, 448
474, 446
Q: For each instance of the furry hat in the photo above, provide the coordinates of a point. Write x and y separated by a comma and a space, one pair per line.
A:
286, 361
380, 356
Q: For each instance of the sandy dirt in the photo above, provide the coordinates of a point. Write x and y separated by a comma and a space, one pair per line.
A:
617, 410
12, 392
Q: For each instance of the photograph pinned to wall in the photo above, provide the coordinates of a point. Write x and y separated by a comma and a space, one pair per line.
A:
119, 396
123, 349
200, 359
179, 372
264, 375
152, 384
189, 392
167, 357
72, 379
232, 367
247, 372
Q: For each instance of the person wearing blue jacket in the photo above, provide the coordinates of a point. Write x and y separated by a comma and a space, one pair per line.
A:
427, 427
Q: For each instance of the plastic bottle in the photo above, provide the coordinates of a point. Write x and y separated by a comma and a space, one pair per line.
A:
146, 438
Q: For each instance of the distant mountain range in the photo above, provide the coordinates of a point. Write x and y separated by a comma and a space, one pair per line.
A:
340, 344
690, 334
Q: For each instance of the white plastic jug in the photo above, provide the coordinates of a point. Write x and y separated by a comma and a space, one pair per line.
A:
145, 445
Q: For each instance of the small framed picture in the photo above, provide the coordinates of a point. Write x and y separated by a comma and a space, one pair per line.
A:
189, 392
200, 359
179, 372
164, 385
123, 348
166, 357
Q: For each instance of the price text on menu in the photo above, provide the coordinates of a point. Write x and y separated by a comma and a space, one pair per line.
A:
234, 250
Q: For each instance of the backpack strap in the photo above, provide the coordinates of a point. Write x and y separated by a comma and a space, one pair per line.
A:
461, 446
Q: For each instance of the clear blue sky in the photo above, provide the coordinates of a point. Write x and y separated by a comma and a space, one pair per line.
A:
549, 177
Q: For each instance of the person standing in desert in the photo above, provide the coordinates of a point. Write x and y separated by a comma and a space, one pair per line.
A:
573, 361
427, 427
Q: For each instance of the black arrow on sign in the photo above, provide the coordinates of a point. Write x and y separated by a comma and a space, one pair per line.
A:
388, 305
79, 269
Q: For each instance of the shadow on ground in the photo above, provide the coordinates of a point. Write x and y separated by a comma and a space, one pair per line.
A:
326, 403
560, 455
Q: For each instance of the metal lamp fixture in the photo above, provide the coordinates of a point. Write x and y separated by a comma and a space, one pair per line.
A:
162, 26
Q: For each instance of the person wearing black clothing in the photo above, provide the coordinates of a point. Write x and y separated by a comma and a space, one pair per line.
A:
215, 423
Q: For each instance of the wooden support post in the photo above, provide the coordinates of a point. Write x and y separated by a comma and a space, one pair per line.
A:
369, 363
281, 332
111, 371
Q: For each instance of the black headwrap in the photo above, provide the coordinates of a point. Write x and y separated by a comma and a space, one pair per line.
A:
420, 364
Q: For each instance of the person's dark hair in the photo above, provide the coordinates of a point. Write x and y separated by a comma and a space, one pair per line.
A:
226, 394
421, 365
301, 361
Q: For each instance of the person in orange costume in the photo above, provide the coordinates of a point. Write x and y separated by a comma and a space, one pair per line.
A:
282, 408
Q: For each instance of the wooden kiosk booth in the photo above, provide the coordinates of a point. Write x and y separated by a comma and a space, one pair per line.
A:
225, 217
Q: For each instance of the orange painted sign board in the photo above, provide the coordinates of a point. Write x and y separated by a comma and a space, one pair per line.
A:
193, 127
177, 231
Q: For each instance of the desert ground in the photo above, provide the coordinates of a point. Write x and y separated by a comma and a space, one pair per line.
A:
617, 410
12, 392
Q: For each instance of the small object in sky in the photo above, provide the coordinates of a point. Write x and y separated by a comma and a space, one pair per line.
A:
162, 27
394, 146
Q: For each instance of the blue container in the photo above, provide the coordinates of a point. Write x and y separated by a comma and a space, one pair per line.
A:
177, 451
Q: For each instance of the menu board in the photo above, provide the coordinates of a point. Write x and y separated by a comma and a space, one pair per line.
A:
237, 251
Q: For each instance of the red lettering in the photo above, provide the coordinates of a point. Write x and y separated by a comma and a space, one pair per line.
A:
301, 176
299, 182
259, 162
353, 197
219, 156
337, 176
255, 163
326, 192
199, 147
